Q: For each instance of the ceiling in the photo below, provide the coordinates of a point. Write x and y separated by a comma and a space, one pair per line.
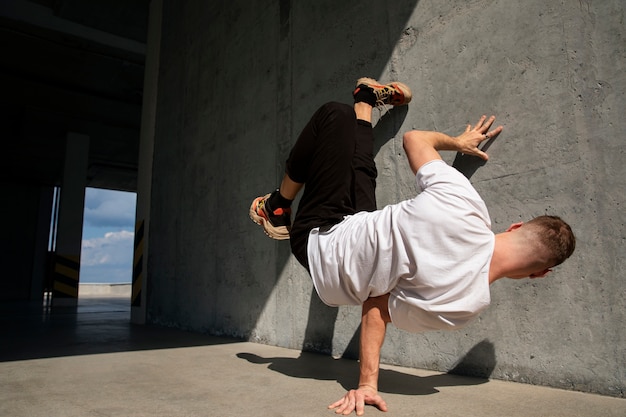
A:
71, 66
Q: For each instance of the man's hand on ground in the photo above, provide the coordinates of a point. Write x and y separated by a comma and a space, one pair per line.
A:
355, 400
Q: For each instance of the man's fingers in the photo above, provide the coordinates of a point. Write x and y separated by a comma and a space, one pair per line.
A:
480, 122
336, 403
495, 132
484, 124
339, 405
342, 409
345, 408
360, 405
355, 400
487, 123
346, 404
380, 403
357, 404
491, 134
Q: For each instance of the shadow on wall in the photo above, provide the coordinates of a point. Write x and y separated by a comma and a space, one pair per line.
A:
467, 164
319, 52
480, 361
320, 327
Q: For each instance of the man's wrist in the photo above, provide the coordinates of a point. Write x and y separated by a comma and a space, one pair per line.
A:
368, 386
449, 143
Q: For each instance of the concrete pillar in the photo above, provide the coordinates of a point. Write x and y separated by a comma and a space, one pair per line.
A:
42, 234
70, 224
144, 175
19, 242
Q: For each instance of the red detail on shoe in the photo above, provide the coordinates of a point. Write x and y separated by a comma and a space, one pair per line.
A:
398, 98
280, 211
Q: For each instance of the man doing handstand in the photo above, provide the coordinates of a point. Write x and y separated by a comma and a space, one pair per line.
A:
422, 264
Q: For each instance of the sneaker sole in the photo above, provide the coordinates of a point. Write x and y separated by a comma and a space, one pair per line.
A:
278, 233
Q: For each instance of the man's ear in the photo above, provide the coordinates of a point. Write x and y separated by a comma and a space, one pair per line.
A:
541, 274
514, 226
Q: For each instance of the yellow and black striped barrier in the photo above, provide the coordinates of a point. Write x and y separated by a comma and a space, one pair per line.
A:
138, 265
66, 273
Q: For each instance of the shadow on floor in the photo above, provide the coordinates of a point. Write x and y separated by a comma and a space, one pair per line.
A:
345, 372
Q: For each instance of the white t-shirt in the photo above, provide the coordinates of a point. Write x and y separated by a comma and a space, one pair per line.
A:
431, 253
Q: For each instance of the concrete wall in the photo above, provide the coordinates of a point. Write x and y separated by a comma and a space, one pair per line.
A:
239, 79
104, 290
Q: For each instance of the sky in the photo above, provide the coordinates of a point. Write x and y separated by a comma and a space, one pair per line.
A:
108, 236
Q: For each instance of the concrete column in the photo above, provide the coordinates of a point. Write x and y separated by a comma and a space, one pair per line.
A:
144, 175
70, 224
42, 234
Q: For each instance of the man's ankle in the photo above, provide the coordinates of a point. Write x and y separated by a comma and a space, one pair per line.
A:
276, 200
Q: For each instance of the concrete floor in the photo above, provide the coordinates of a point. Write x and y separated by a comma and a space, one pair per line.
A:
90, 361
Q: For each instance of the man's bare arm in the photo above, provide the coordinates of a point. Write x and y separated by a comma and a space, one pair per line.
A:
423, 146
374, 319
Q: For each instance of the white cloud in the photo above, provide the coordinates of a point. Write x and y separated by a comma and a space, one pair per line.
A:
108, 258
106, 208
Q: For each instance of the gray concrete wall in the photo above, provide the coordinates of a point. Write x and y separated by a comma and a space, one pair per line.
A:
239, 79
104, 290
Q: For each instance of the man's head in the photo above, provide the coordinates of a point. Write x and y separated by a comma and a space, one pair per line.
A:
538, 245
553, 236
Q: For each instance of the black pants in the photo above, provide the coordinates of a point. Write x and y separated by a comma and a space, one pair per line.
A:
334, 158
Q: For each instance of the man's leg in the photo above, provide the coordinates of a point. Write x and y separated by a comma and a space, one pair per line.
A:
321, 157
273, 210
363, 165
289, 189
